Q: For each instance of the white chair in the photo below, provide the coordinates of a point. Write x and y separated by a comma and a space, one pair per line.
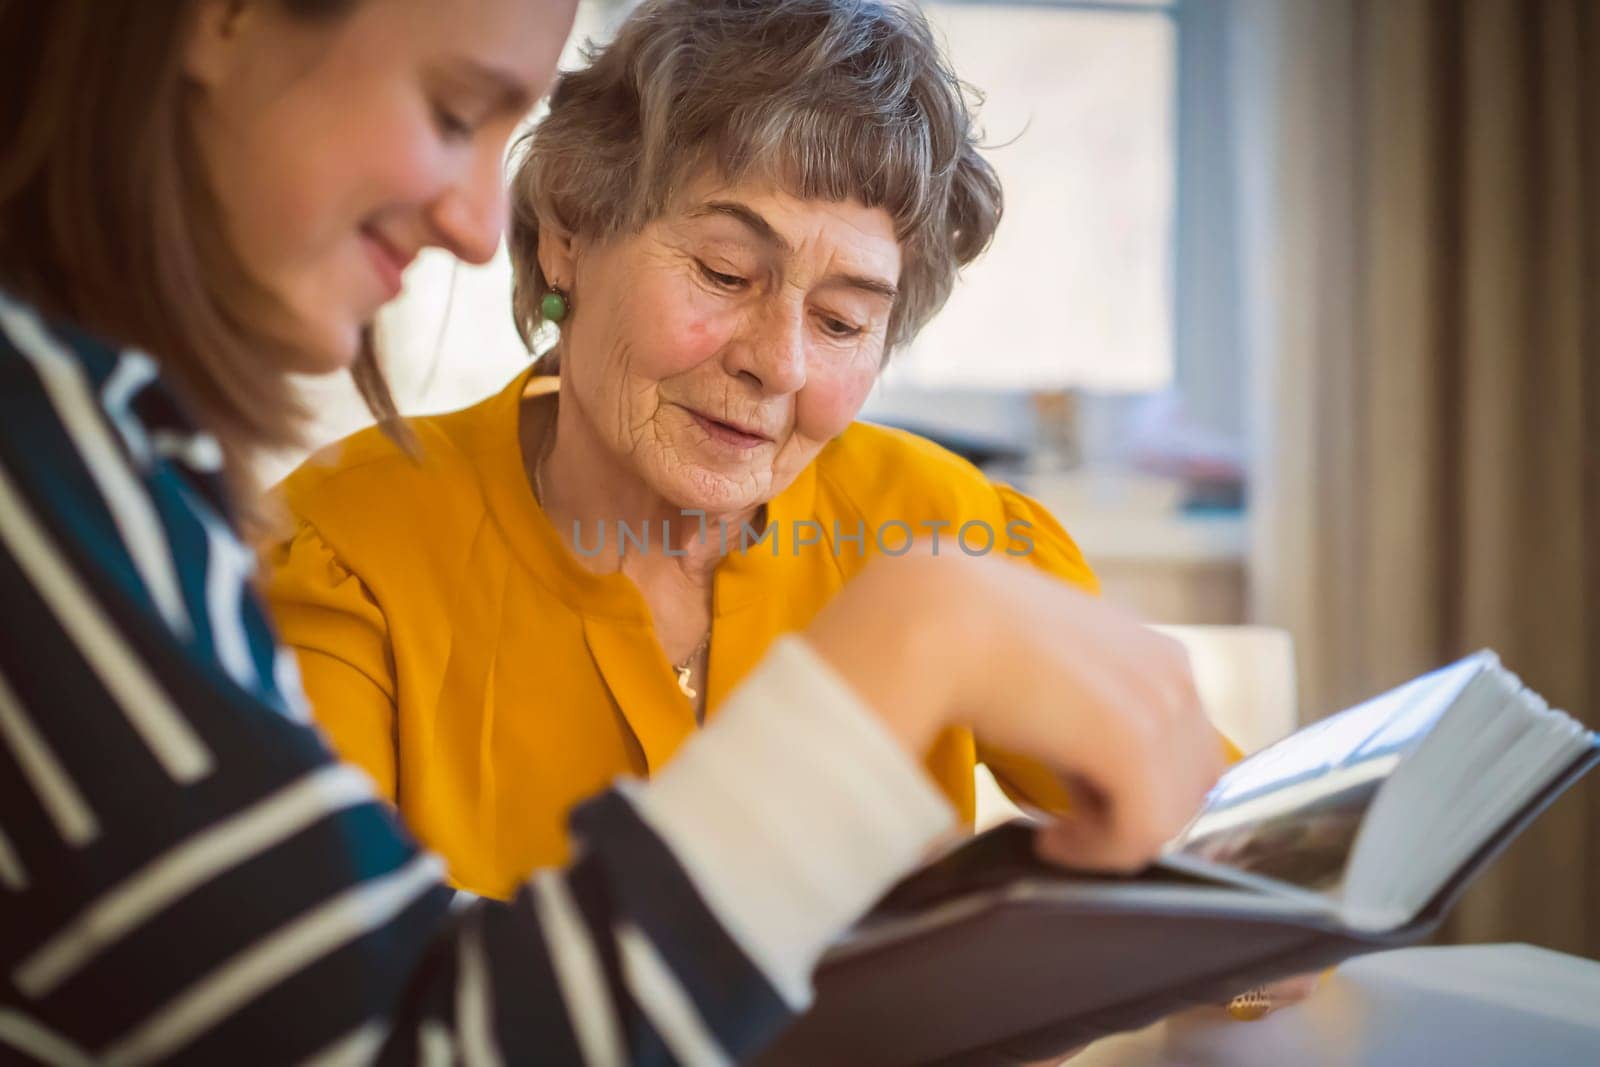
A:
1246, 679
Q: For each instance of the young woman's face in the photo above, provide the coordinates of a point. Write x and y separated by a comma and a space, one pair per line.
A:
338, 147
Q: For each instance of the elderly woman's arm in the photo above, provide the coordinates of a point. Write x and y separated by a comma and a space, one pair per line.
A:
328, 616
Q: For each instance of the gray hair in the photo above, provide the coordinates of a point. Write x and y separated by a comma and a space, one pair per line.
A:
829, 99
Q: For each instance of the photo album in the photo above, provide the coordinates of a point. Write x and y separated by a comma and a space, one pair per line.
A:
1353, 835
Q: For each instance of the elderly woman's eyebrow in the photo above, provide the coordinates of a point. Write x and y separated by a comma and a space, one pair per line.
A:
750, 217
876, 286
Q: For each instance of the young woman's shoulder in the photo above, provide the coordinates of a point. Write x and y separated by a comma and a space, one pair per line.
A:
31, 344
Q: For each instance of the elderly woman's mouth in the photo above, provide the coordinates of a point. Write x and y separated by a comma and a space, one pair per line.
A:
728, 433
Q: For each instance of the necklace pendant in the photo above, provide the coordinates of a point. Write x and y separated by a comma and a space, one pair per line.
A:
685, 675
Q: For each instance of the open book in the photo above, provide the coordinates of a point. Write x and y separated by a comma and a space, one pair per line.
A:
1353, 835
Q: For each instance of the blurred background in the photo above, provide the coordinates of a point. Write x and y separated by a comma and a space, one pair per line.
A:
1294, 319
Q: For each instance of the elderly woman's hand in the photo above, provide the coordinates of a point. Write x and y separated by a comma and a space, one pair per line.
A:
1039, 669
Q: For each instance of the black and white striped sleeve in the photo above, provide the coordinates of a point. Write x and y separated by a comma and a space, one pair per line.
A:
187, 874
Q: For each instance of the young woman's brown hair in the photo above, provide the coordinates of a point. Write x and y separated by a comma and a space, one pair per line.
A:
105, 219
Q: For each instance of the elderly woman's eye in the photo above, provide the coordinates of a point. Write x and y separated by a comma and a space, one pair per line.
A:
726, 281
839, 328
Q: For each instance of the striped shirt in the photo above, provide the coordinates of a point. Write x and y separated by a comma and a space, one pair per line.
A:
188, 875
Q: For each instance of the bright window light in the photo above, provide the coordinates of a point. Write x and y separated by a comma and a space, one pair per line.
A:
1077, 289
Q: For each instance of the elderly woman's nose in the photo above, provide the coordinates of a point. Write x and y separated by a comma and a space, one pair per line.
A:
776, 356
469, 216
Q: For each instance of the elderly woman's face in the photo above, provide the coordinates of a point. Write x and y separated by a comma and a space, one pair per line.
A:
719, 349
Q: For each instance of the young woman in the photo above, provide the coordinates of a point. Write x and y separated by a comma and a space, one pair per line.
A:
199, 198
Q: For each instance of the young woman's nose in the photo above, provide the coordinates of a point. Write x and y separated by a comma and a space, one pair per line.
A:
469, 215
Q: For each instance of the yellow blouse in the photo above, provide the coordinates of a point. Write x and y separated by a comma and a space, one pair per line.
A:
453, 646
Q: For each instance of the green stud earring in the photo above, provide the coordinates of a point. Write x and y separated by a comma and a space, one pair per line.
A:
553, 305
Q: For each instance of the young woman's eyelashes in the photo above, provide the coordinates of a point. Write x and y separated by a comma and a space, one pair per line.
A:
460, 114
451, 125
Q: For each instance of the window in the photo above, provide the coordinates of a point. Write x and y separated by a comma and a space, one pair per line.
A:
1077, 289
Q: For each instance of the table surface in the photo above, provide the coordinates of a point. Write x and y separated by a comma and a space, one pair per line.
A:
1465, 1006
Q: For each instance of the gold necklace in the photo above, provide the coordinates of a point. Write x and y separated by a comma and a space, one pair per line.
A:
685, 670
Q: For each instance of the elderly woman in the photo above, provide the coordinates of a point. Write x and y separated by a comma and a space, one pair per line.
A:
733, 215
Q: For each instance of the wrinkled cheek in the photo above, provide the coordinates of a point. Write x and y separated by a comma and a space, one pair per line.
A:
830, 403
686, 343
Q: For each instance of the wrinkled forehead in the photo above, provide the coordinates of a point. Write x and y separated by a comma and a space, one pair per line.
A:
780, 219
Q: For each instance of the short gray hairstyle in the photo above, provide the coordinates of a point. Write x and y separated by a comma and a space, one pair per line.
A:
829, 99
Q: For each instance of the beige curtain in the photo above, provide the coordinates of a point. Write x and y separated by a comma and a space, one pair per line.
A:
1419, 196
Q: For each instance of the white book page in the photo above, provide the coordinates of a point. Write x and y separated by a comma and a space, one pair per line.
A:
1290, 815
